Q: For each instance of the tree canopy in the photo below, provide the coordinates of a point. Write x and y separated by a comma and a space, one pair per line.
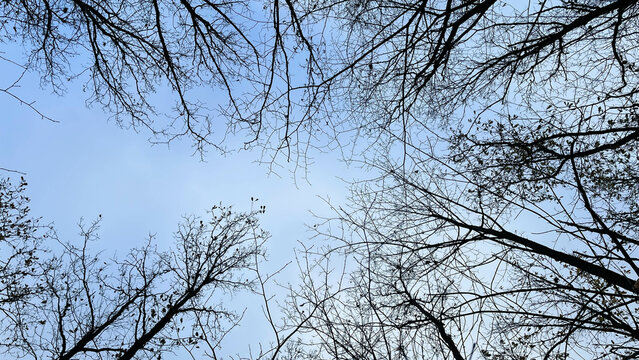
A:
500, 220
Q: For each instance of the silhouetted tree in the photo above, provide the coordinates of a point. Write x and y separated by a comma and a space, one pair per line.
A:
209, 54
74, 303
408, 69
503, 221
21, 248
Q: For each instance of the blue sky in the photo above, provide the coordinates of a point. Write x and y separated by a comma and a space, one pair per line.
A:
85, 165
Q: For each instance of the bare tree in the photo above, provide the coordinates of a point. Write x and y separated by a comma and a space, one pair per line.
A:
21, 238
502, 223
404, 68
74, 303
225, 63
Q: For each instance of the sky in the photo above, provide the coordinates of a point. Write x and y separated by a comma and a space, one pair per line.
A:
85, 166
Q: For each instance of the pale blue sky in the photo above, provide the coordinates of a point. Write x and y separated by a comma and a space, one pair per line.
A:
85, 165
